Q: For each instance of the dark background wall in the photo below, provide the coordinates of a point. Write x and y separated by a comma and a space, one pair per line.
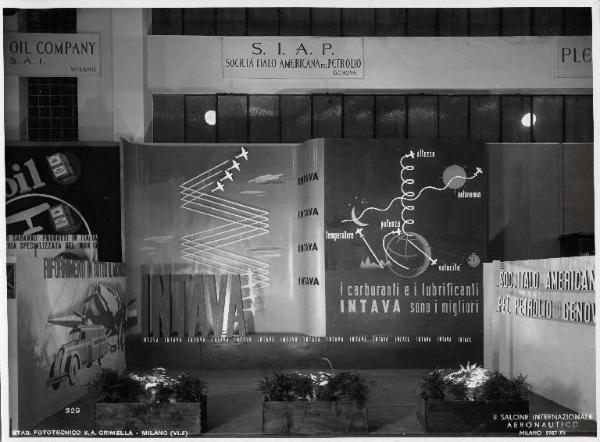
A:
538, 193
296, 118
369, 22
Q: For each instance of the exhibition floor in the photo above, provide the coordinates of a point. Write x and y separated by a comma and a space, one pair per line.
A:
235, 407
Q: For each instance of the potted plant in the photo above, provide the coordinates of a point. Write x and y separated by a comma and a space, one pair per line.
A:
150, 405
322, 403
470, 399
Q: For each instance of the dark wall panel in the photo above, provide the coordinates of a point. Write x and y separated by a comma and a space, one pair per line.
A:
232, 118
200, 122
516, 126
231, 21
167, 21
358, 116
167, 118
546, 21
290, 118
422, 116
578, 185
578, 21
548, 111
294, 21
484, 21
421, 22
453, 22
327, 116
390, 116
199, 21
358, 22
527, 226
326, 21
454, 116
516, 21
263, 21
390, 22
485, 117
263, 115
295, 118
579, 121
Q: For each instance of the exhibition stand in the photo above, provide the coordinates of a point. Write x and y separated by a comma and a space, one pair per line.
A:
317, 284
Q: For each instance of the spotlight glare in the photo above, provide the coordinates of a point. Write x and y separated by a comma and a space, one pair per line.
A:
210, 116
528, 119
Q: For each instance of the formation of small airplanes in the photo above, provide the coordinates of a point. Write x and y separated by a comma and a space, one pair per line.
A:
229, 175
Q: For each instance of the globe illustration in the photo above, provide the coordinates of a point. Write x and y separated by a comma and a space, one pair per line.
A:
406, 254
454, 176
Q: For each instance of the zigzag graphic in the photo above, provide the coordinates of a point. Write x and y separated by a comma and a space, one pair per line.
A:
240, 223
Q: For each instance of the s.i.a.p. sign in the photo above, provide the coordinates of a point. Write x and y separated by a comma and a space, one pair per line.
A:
292, 57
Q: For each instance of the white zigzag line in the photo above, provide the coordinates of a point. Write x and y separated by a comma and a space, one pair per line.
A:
194, 246
187, 183
243, 222
206, 198
258, 280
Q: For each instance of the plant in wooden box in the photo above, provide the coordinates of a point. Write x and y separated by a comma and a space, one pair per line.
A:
470, 399
321, 403
150, 404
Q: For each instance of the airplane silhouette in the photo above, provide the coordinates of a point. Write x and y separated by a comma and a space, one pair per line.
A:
26, 216
243, 155
227, 176
103, 306
235, 165
219, 187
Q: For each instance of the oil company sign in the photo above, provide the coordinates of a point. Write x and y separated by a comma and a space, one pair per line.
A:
293, 57
51, 55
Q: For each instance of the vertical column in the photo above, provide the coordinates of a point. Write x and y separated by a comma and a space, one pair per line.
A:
128, 95
309, 268
15, 106
95, 94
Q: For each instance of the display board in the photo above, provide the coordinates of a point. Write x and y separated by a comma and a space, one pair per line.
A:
213, 210
405, 238
34, 246
536, 310
72, 316
349, 240
57, 190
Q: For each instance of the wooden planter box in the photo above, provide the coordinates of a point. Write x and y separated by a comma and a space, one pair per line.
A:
162, 417
314, 417
467, 416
